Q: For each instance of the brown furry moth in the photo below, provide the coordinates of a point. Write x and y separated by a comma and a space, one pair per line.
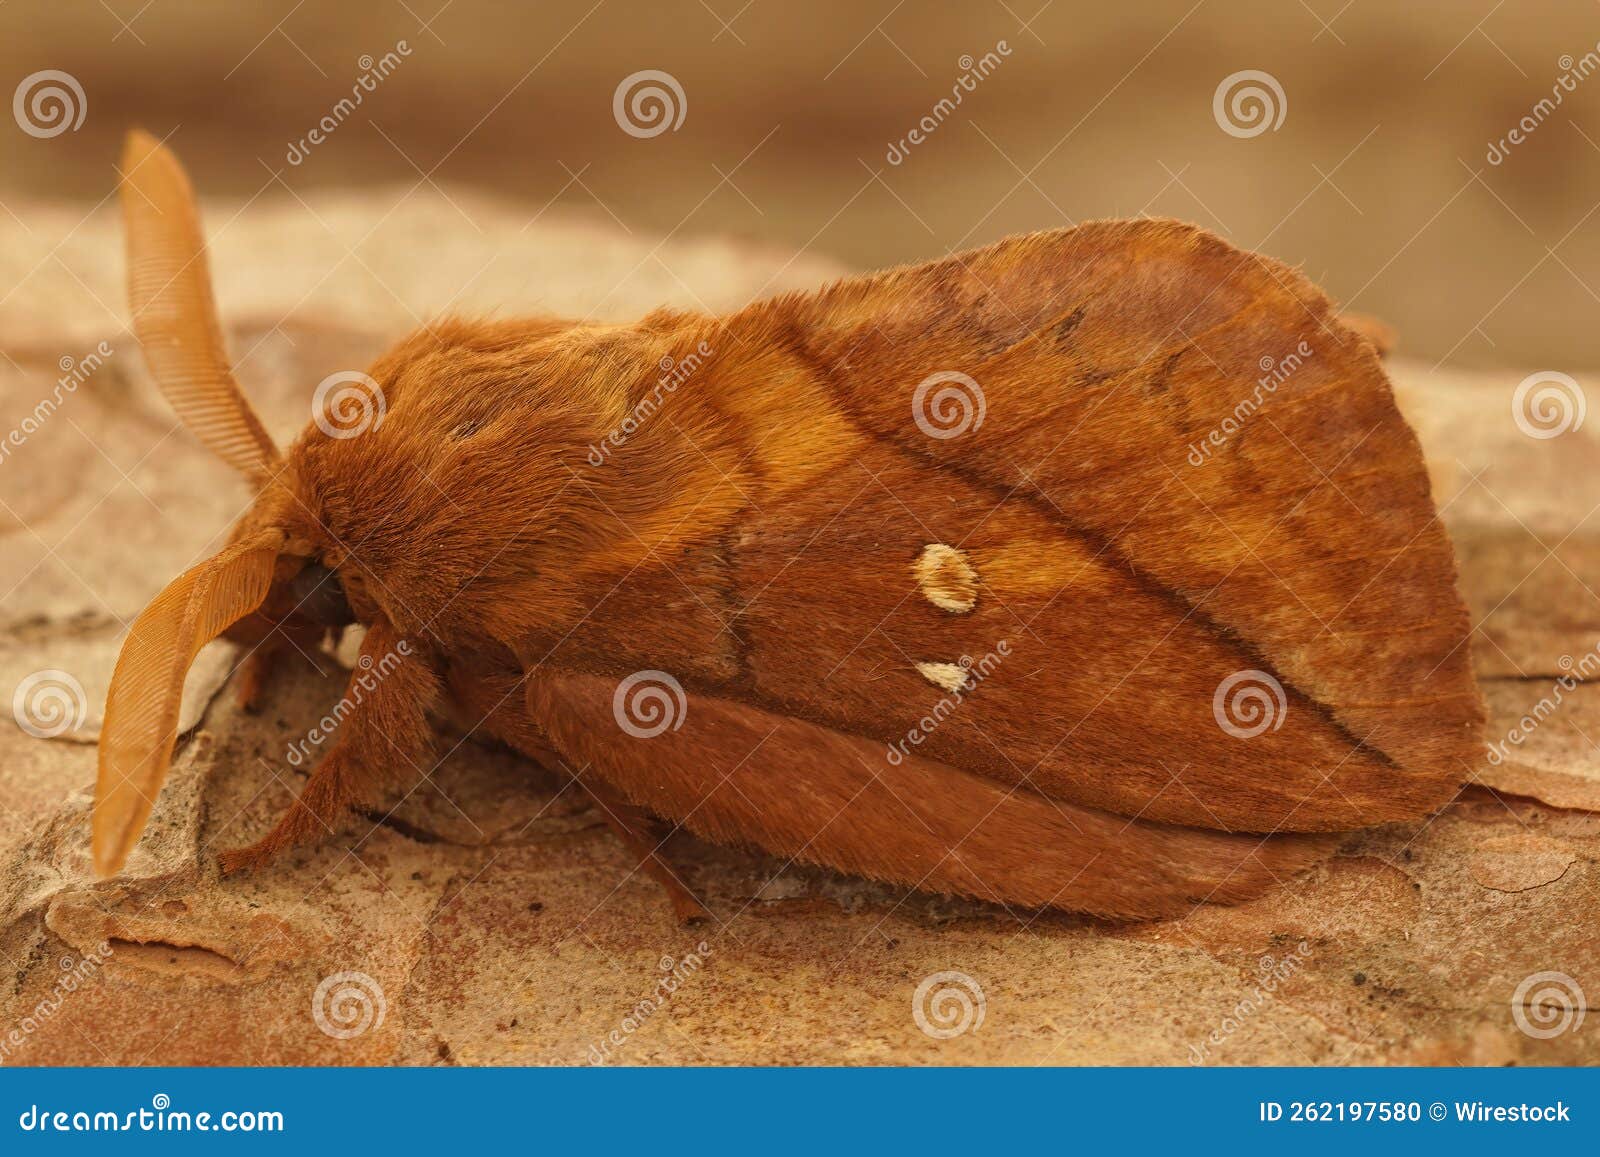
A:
1214, 606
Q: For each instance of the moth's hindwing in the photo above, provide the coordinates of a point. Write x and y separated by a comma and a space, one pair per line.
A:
736, 774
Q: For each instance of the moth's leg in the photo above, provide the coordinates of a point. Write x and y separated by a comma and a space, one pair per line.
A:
384, 729
263, 659
639, 832
253, 675
496, 700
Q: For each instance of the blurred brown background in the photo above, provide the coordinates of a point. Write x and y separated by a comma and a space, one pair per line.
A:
1376, 181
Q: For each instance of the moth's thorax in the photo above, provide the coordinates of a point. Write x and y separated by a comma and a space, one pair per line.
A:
520, 471
473, 490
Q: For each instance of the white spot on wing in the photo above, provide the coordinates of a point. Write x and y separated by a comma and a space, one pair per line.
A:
947, 578
948, 676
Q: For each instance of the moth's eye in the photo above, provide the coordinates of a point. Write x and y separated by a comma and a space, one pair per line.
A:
320, 597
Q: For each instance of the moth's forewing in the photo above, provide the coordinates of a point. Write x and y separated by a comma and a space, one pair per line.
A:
1199, 421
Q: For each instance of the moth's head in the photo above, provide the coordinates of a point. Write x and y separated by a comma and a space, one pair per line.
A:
309, 596
451, 473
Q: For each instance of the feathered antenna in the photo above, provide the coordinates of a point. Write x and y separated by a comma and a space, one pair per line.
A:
141, 723
174, 313
175, 319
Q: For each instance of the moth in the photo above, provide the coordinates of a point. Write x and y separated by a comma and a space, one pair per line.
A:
1092, 570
